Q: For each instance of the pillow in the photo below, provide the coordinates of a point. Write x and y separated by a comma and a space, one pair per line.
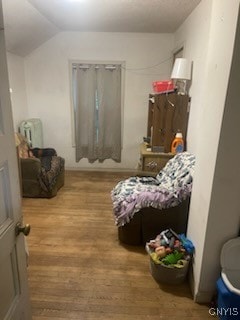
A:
24, 152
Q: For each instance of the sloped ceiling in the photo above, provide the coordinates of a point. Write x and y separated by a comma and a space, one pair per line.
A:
29, 23
25, 27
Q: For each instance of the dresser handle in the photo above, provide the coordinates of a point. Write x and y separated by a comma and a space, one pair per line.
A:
152, 165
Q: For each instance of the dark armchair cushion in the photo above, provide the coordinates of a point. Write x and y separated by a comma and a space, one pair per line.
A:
43, 152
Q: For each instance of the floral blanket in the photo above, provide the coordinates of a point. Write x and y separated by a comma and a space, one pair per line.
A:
171, 186
51, 167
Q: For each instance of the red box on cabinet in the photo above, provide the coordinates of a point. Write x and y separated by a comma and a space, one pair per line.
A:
163, 86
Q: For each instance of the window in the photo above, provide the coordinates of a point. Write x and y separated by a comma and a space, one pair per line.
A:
96, 90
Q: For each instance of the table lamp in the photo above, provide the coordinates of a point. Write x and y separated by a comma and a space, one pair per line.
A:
181, 73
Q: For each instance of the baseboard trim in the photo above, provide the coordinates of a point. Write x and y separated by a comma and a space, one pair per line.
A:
201, 297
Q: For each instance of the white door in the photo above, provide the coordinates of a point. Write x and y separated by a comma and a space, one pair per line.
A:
14, 298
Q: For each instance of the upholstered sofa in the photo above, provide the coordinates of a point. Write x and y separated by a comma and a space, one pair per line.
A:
41, 170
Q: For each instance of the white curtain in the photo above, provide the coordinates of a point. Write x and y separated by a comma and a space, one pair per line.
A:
97, 106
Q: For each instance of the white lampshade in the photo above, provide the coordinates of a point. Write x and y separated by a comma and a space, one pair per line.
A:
181, 69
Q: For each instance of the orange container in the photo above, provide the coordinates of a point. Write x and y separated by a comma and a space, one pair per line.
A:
177, 144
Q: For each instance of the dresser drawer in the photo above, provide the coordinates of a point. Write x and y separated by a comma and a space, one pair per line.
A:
154, 164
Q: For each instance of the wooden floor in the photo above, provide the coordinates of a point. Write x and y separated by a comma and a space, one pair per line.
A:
78, 269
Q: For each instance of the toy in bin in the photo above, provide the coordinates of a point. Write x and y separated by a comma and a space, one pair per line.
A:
170, 254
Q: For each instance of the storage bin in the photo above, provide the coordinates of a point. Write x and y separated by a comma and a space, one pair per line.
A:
228, 303
228, 285
168, 274
163, 86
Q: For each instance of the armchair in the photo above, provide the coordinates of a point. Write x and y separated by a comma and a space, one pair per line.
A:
42, 171
144, 206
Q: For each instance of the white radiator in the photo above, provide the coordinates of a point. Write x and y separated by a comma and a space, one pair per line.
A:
32, 130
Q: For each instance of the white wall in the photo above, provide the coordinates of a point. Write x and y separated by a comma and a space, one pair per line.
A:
194, 36
18, 86
208, 35
48, 88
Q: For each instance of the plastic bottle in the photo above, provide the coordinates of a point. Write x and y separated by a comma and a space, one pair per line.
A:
177, 144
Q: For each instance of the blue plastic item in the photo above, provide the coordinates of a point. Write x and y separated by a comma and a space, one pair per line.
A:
187, 244
228, 285
228, 303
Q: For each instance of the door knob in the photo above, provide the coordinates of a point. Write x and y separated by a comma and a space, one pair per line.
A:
24, 229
